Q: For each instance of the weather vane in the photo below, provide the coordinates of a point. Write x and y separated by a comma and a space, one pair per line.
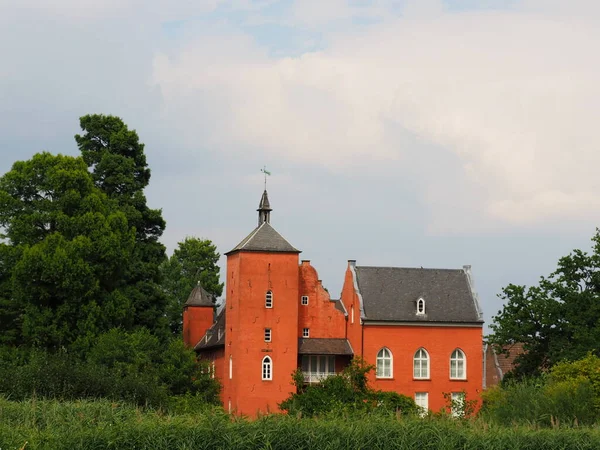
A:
266, 172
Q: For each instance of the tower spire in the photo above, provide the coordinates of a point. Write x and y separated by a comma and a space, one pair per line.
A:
264, 209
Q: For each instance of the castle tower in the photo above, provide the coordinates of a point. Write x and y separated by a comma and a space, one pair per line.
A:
261, 319
197, 315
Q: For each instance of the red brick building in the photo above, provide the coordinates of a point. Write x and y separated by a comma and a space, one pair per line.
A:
421, 328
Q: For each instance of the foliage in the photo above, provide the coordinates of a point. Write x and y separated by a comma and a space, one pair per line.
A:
66, 247
119, 169
556, 320
39, 424
134, 367
346, 393
461, 408
193, 261
541, 402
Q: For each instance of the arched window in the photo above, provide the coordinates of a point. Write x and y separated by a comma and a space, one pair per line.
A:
267, 368
230, 367
384, 363
421, 364
269, 299
458, 365
420, 307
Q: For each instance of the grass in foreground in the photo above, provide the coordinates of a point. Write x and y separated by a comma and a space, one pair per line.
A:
48, 424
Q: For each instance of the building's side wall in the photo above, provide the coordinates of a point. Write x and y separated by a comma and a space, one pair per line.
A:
251, 275
320, 315
352, 304
215, 358
232, 329
439, 342
196, 320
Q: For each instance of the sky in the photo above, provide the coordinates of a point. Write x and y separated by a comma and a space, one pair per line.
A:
398, 133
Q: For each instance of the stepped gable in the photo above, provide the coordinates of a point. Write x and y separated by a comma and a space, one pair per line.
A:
391, 294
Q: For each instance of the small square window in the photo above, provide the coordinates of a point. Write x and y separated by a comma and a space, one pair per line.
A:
267, 335
305, 332
304, 300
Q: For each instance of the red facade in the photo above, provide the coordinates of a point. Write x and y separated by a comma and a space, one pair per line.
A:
277, 317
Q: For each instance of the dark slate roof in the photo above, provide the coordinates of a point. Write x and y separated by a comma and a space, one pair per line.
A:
339, 306
199, 297
264, 238
391, 293
322, 346
211, 338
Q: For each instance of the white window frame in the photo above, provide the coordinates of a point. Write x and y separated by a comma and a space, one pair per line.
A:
421, 307
268, 335
269, 299
352, 313
304, 300
305, 332
384, 355
267, 368
230, 367
422, 402
458, 359
421, 365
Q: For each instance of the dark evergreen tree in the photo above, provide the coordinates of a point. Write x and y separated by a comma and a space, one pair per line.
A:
119, 168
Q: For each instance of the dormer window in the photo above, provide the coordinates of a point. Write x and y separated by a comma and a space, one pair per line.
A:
269, 299
420, 307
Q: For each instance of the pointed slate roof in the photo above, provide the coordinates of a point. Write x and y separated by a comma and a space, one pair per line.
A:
199, 297
391, 294
264, 202
264, 238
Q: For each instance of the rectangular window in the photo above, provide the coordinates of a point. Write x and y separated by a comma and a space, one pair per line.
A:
422, 401
269, 300
305, 300
305, 332
458, 404
267, 335
317, 367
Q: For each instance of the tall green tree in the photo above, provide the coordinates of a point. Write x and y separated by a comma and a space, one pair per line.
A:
118, 164
66, 248
193, 261
556, 320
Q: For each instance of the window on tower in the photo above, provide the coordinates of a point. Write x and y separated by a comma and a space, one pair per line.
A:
267, 335
269, 299
304, 300
305, 332
267, 368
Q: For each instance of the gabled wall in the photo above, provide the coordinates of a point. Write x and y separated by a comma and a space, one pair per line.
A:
320, 316
352, 304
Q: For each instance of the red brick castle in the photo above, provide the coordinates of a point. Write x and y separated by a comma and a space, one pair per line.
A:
421, 328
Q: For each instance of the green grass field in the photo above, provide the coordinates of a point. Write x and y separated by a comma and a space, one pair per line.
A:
49, 424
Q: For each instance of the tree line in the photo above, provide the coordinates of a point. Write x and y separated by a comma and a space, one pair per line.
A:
81, 262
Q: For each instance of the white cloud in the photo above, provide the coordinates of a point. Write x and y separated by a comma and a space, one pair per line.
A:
512, 96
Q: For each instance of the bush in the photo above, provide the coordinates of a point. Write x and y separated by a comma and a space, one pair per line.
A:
346, 393
541, 402
133, 367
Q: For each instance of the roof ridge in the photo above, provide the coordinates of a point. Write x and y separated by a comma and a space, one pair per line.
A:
409, 268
